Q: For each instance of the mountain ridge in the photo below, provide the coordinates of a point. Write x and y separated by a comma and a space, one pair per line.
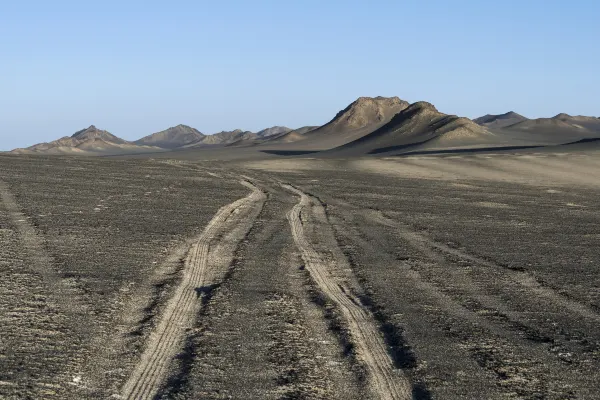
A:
375, 123
173, 137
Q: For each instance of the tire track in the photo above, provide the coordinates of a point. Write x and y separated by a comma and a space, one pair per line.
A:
52, 315
69, 298
448, 328
204, 267
384, 380
431, 248
33, 244
548, 330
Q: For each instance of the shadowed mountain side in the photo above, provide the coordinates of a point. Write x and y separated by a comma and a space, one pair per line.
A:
583, 145
421, 126
177, 136
360, 118
501, 120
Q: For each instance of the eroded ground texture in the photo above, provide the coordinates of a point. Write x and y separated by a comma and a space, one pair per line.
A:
469, 277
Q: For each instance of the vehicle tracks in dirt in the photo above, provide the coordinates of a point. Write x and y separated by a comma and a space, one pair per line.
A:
433, 248
48, 314
207, 263
462, 312
384, 380
527, 331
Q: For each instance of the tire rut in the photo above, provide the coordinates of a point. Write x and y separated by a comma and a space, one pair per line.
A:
524, 279
203, 269
34, 245
506, 302
384, 380
60, 305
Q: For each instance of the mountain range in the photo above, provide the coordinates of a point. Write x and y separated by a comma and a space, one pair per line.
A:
369, 125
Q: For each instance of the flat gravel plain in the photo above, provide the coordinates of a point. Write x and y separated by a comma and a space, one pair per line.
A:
424, 278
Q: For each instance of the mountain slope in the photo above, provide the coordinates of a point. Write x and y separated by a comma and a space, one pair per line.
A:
361, 117
266, 135
177, 136
420, 126
272, 131
224, 137
291, 136
500, 120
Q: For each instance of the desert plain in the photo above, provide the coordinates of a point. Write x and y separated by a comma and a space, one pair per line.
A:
451, 276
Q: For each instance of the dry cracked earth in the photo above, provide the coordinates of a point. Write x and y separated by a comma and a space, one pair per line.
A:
470, 277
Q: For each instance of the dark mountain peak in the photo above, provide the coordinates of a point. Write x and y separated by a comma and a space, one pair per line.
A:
500, 120
562, 116
486, 118
93, 133
510, 114
421, 106
82, 132
181, 128
173, 137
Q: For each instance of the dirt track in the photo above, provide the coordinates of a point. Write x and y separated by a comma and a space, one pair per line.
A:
202, 271
385, 381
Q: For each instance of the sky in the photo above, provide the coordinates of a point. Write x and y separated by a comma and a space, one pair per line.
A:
137, 67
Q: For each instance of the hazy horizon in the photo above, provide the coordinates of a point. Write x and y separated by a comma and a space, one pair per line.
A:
140, 68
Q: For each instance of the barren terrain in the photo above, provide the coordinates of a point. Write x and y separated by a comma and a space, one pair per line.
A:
427, 277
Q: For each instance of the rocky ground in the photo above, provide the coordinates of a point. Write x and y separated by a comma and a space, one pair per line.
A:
295, 279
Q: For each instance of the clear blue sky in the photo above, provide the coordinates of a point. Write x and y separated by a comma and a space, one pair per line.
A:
136, 67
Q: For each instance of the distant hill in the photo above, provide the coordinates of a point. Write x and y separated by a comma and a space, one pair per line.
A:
177, 136
275, 130
369, 125
361, 117
500, 120
562, 128
420, 126
266, 135
590, 123
87, 141
291, 136
225, 137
